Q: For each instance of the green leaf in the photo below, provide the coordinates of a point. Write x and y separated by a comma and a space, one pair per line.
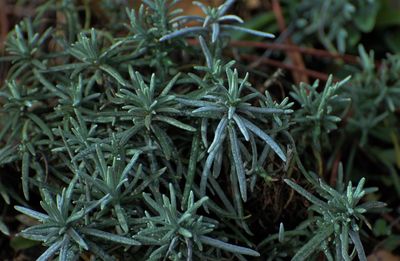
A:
184, 232
238, 162
191, 168
51, 251
39, 122
113, 73
314, 244
25, 174
227, 247
3, 228
344, 241
121, 217
306, 194
77, 238
4, 193
32, 213
355, 237
131, 163
163, 141
206, 169
281, 234
109, 236
219, 131
175, 123
257, 131
241, 126
152, 203
247, 30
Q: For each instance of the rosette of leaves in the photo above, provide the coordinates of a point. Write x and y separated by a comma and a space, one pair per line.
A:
93, 58
153, 20
76, 94
150, 107
111, 183
26, 103
118, 184
183, 234
64, 229
213, 23
336, 32
149, 25
78, 138
339, 213
25, 50
214, 68
375, 95
319, 111
234, 113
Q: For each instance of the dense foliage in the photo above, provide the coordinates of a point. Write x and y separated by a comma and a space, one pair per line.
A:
142, 146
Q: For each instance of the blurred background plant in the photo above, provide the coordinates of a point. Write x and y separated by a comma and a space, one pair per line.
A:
109, 106
337, 25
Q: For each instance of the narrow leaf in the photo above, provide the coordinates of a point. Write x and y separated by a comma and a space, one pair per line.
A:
257, 131
109, 236
227, 247
237, 158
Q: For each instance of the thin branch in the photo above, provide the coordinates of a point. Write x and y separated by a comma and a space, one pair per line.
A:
295, 56
275, 63
285, 47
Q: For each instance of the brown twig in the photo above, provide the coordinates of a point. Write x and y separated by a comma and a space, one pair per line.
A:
288, 48
335, 168
285, 47
294, 55
4, 25
275, 63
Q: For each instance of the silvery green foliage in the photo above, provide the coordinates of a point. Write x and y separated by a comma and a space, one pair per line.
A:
375, 94
181, 234
233, 112
92, 57
317, 110
24, 112
150, 107
153, 20
24, 47
336, 23
107, 135
213, 23
104, 123
64, 229
338, 215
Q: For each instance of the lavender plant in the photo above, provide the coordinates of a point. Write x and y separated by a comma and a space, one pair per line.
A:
338, 218
103, 123
336, 33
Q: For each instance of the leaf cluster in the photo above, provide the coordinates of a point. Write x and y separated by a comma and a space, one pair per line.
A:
338, 25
